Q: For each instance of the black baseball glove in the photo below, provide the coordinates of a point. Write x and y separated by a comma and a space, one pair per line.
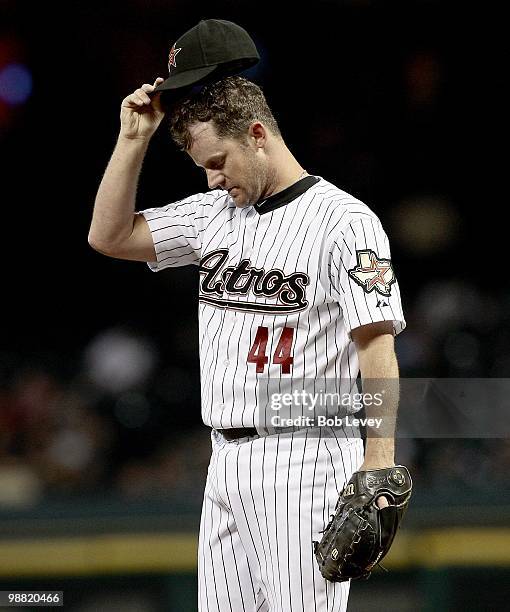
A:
360, 533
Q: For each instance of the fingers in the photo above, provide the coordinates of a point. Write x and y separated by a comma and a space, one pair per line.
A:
382, 502
140, 97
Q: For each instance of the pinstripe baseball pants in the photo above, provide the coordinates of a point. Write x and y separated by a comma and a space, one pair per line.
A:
266, 500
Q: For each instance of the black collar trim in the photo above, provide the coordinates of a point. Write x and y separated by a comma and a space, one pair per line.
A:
287, 195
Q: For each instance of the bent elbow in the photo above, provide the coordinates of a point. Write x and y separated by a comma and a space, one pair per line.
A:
94, 242
99, 246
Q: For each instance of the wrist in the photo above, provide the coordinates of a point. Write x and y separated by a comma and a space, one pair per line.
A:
379, 453
133, 141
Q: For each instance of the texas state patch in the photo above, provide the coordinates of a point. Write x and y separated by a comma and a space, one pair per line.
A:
373, 273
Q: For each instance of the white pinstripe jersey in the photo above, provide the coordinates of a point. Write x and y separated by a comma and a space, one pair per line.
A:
282, 284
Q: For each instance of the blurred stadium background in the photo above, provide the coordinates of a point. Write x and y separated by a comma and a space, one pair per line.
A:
102, 453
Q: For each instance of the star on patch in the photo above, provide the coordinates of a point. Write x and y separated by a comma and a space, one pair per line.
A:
372, 273
171, 58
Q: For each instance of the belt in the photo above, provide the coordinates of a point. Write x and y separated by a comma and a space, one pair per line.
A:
238, 432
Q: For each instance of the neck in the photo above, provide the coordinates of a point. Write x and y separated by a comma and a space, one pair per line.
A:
284, 173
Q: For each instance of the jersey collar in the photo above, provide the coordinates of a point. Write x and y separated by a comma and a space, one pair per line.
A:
287, 195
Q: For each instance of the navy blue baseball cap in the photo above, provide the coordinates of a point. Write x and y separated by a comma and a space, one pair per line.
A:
211, 50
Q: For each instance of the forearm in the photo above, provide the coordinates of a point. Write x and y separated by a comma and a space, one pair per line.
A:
380, 379
381, 374
112, 220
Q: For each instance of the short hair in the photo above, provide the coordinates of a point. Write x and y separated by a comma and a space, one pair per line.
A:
233, 104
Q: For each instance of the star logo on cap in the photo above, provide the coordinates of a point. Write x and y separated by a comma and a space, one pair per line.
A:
171, 58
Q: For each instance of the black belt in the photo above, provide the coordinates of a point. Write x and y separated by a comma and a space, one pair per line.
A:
238, 432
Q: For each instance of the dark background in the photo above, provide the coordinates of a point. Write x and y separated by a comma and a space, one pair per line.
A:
391, 101
399, 103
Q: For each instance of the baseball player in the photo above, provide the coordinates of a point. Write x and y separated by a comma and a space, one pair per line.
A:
296, 283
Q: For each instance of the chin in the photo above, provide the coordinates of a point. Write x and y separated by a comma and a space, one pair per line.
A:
240, 199
242, 203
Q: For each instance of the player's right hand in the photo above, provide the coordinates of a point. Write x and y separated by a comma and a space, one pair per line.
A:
141, 115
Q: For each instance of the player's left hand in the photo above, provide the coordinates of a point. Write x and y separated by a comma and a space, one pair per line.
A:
382, 502
366, 519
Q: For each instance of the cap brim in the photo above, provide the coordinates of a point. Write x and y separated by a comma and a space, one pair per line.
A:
200, 75
184, 79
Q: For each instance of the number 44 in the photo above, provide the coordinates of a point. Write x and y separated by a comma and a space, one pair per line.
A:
281, 355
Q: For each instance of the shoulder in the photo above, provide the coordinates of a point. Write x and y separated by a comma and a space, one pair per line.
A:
197, 205
340, 207
209, 200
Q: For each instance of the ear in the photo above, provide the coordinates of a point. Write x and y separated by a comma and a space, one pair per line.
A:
258, 133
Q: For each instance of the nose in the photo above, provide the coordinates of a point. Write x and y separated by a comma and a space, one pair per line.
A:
214, 178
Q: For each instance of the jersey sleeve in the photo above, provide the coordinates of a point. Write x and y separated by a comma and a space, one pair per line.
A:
177, 229
361, 275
